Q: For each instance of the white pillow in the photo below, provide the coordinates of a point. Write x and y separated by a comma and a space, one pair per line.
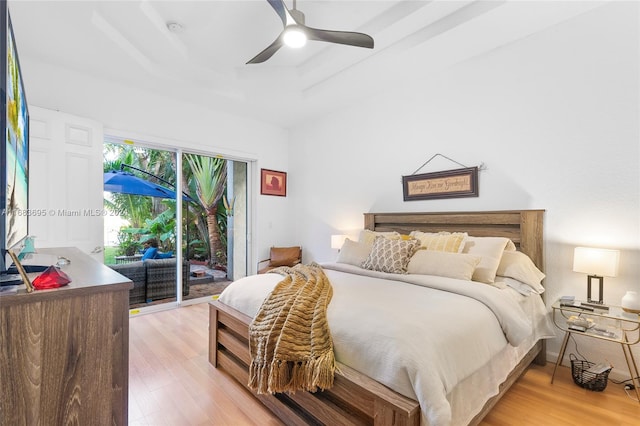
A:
517, 265
367, 236
519, 286
443, 264
354, 252
490, 250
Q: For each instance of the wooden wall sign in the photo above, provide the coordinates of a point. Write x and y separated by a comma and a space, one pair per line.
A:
446, 184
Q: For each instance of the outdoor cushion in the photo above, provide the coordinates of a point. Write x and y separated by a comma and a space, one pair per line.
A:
150, 253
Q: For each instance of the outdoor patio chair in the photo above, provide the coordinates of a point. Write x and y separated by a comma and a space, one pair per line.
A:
161, 278
137, 273
153, 279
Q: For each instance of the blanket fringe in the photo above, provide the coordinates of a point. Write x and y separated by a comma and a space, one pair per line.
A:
290, 376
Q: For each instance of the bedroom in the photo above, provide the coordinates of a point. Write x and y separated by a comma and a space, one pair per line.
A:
554, 117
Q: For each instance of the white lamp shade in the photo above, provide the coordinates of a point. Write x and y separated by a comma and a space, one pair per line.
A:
595, 261
337, 241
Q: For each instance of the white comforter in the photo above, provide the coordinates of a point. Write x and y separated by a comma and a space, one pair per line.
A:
402, 331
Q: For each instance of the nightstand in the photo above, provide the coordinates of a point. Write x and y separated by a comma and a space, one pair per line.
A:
613, 325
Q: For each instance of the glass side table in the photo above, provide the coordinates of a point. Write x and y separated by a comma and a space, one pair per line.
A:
613, 325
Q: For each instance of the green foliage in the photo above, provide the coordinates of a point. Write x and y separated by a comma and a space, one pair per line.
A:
128, 243
204, 180
198, 249
161, 227
210, 175
110, 255
134, 208
210, 182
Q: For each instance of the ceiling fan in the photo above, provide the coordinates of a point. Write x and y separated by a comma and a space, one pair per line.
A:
296, 33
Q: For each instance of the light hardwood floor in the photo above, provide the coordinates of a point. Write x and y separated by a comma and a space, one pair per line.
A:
172, 383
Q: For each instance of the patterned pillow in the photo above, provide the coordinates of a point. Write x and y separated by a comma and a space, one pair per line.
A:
442, 241
390, 255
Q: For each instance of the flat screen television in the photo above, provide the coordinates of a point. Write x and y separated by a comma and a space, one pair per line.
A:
14, 179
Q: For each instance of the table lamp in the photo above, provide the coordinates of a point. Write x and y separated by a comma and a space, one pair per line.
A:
597, 264
337, 241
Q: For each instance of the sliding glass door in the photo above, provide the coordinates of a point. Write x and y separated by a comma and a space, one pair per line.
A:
178, 236
215, 222
140, 220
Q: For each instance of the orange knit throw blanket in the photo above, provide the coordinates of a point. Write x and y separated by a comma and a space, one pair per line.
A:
290, 343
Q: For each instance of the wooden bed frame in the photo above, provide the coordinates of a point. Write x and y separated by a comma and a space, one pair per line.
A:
356, 399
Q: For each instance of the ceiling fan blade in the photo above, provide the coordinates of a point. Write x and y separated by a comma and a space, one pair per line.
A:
268, 52
280, 8
340, 37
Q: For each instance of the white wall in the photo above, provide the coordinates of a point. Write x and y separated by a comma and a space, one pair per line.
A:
554, 117
151, 117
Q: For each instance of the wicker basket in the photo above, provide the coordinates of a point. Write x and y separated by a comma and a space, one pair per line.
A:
587, 379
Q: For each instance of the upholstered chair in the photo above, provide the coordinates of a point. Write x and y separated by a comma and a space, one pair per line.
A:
280, 256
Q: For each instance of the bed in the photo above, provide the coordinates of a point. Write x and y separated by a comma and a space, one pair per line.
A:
399, 391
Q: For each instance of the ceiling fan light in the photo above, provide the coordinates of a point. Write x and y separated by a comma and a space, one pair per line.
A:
294, 37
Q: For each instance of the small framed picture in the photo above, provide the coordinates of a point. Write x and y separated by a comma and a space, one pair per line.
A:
23, 273
273, 182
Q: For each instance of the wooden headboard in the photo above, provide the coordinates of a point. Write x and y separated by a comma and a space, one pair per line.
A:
523, 227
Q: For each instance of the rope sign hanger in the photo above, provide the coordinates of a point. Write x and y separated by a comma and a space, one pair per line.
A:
480, 168
456, 183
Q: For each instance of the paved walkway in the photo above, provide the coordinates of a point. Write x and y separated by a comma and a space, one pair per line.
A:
209, 274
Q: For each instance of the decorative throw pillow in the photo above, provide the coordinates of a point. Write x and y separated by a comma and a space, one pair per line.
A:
442, 241
354, 252
517, 265
390, 255
490, 250
166, 255
150, 253
443, 264
367, 236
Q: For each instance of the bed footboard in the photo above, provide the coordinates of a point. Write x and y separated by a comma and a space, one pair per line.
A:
353, 400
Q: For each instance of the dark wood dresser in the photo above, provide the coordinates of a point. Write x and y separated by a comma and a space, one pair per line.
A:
64, 353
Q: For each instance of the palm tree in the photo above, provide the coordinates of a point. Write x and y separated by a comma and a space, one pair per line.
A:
210, 176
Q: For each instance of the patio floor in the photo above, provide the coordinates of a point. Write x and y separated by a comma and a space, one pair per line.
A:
210, 283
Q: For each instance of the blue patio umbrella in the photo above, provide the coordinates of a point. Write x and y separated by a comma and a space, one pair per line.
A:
128, 183
122, 182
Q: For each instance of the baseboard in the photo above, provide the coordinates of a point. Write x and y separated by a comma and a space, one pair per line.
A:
616, 374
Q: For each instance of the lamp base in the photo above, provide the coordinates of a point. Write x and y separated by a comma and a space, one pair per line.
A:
600, 289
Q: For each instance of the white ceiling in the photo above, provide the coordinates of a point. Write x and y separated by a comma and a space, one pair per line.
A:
129, 42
